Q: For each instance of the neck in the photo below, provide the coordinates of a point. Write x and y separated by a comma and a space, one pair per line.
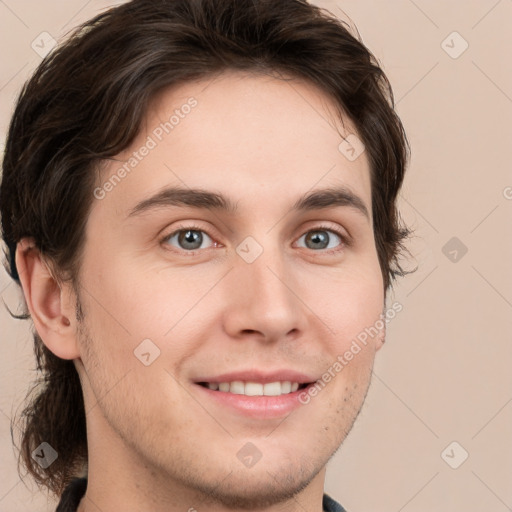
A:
121, 479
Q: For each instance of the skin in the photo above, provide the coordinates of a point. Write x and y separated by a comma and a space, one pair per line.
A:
154, 442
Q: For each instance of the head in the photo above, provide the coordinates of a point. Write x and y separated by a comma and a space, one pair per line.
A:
245, 110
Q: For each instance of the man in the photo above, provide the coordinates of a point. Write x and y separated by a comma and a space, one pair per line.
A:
199, 202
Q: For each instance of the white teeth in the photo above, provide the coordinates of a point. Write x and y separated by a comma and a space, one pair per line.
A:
286, 387
255, 388
272, 389
237, 387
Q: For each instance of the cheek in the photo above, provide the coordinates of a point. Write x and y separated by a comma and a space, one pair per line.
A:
349, 303
135, 301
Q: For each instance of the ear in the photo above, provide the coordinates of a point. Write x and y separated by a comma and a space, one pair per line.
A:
381, 338
50, 304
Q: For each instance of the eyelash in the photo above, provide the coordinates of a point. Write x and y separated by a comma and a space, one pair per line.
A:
345, 240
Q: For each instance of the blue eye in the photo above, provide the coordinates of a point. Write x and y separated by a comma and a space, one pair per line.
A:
189, 239
320, 238
192, 238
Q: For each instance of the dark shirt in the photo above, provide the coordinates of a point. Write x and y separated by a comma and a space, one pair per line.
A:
76, 489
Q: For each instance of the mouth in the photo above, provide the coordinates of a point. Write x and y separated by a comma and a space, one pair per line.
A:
255, 389
254, 393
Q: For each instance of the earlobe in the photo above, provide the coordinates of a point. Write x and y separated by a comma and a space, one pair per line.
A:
379, 342
47, 301
381, 338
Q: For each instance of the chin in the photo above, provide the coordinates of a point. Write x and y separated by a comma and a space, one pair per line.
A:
245, 490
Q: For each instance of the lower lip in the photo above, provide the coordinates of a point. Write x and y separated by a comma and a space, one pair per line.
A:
261, 407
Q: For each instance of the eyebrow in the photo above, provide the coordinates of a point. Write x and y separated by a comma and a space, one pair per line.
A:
204, 199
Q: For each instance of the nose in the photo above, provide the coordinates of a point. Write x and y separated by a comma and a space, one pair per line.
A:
263, 299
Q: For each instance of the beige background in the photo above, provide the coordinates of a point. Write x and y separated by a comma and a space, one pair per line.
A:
444, 374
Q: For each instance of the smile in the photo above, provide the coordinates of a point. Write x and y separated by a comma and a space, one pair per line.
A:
238, 387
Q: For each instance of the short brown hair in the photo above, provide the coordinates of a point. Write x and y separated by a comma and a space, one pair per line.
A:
85, 103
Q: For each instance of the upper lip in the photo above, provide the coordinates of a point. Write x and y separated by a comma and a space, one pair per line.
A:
260, 376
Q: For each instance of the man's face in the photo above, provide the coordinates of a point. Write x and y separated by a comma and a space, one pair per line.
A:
265, 293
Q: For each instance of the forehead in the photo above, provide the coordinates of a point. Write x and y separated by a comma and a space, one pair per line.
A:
252, 136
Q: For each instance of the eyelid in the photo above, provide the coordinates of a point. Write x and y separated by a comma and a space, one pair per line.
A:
346, 240
190, 227
342, 233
